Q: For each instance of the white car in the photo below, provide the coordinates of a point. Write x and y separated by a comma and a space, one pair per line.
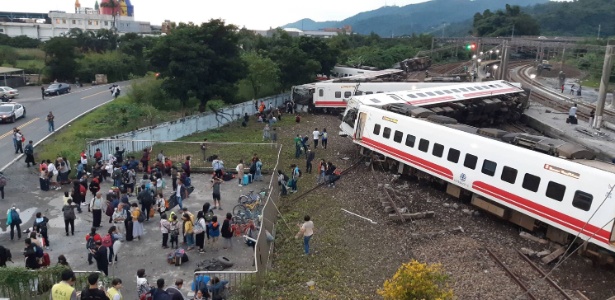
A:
10, 112
10, 92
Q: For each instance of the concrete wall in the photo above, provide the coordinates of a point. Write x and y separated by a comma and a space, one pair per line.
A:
174, 130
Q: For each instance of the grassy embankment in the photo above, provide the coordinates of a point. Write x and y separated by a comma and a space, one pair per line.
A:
27, 59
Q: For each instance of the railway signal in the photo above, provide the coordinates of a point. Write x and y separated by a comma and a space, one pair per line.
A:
471, 47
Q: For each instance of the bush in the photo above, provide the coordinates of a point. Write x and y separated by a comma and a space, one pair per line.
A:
415, 280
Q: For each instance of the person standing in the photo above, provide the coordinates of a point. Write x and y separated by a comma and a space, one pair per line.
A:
216, 182
147, 199
43, 92
175, 291
165, 227
3, 181
227, 231
324, 137
200, 226
18, 137
30, 254
137, 227
316, 135
65, 289
29, 151
40, 226
188, 231
114, 291
180, 193
100, 254
142, 284
204, 149
96, 206
90, 243
306, 230
240, 172
308, 161
50, 118
93, 291
69, 215
14, 220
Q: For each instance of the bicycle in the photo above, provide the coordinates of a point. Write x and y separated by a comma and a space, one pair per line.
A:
248, 210
251, 197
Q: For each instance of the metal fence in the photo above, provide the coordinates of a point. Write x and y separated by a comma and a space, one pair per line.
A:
247, 284
174, 130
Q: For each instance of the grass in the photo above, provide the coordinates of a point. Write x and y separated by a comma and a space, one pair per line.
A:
110, 119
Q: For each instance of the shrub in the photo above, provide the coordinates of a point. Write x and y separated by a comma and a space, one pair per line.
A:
415, 280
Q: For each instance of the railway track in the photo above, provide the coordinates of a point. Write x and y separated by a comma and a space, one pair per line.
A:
536, 285
549, 100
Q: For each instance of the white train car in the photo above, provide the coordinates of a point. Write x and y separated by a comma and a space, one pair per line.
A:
344, 71
526, 187
431, 95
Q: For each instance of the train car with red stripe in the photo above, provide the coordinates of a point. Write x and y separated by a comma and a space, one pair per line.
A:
535, 182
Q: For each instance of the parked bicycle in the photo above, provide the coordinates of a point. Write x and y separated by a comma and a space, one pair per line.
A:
252, 197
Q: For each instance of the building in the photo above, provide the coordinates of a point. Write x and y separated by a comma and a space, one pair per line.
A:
294, 32
58, 23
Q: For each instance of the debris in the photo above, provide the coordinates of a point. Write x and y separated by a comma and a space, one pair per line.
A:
346, 158
530, 237
419, 215
554, 255
455, 205
528, 252
543, 253
362, 217
467, 211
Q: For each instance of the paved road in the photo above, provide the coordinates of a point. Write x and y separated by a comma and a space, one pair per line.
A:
64, 107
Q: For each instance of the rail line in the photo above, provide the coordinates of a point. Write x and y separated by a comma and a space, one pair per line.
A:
545, 276
511, 274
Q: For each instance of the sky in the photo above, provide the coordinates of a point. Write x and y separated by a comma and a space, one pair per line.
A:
261, 14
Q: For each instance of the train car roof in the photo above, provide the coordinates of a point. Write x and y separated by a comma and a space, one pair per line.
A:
441, 94
369, 75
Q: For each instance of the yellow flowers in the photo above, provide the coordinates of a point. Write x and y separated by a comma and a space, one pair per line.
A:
417, 281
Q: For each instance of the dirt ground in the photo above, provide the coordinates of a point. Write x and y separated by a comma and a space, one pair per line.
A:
353, 257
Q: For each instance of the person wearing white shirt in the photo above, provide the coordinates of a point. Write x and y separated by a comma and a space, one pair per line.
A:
306, 230
54, 177
316, 135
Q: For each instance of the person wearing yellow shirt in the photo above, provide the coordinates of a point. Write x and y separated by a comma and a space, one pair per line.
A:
114, 291
188, 231
65, 290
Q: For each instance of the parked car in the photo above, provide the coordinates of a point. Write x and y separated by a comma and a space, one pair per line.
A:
57, 89
10, 112
9, 92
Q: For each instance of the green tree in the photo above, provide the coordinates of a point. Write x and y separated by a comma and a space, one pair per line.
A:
8, 55
501, 23
203, 61
115, 10
317, 49
262, 72
61, 58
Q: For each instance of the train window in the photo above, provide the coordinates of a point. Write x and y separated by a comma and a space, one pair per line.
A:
423, 145
410, 140
437, 150
470, 161
555, 191
411, 96
368, 93
386, 133
398, 136
421, 95
509, 175
430, 93
395, 97
379, 92
375, 100
582, 200
347, 94
462, 89
497, 85
455, 90
448, 92
358, 93
471, 89
321, 93
478, 88
531, 182
489, 167
377, 129
439, 93
453, 155
338, 94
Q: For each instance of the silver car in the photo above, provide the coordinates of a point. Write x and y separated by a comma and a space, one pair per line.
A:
10, 92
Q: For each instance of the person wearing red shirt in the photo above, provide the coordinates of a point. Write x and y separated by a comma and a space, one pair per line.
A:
90, 242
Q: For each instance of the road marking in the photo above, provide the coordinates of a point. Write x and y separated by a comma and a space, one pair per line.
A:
88, 96
19, 127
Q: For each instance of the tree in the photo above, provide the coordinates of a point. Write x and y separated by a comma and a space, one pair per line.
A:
60, 58
114, 5
262, 71
501, 23
318, 50
415, 280
203, 61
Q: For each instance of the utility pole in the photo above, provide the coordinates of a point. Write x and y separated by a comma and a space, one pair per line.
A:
561, 66
604, 83
504, 63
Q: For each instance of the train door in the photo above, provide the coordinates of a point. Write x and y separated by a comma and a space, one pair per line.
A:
361, 120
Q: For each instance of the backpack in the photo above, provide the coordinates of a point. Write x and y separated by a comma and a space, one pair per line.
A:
90, 244
15, 219
69, 213
147, 296
209, 216
110, 210
107, 241
2, 180
46, 260
117, 173
198, 228
39, 251
141, 217
202, 286
188, 181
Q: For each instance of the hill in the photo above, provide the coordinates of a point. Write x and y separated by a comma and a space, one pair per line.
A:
413, 18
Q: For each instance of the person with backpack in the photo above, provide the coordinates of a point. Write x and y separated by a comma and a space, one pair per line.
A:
40, 226
142, 284
119, 218
258, 176
93, 292
5, 255
14, 220
200, 284
108, 240
282, 180
159, 293
137, 221
90, 242
188, 227
30, 252
68, 210
161, 204
146, 198
324, 138
3, 181
186, 166
296, 173
227, 231
200, 226
214, 230
78, 193
218, 289
165, 228
116, 175
180, 193
174, 231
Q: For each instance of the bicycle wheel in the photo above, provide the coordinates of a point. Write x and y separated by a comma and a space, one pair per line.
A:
240, 211
238, 220
243, 199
